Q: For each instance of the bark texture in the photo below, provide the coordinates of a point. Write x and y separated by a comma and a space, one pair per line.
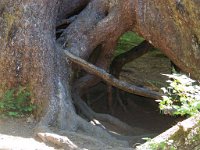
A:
185, 135
31, 56
173, 27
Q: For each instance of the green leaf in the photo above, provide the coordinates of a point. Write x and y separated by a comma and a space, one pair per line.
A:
182, 94
13, 114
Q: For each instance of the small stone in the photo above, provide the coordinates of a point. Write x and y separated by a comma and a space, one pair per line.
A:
30, 119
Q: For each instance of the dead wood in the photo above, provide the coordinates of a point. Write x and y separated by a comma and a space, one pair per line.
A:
111, 79
185, 135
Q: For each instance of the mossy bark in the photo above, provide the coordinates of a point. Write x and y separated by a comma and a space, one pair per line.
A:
183, 136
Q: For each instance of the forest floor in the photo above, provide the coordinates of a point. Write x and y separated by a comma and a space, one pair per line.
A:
142, 113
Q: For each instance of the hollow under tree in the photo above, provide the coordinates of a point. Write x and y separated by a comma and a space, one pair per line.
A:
31, 55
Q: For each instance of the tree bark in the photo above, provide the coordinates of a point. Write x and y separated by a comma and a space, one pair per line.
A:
30, 55
173, 27
124, 58
111, 79
185, 135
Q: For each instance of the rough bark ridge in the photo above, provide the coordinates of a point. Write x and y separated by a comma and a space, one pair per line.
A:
28, 55
31, 56
173, 27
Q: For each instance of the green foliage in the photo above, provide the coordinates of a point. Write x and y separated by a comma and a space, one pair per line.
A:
165, 145
182, 96
127, 41
16, 102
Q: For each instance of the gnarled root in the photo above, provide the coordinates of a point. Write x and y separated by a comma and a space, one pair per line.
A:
90, 114
122, 59
75, 141
111, 79
58, 140
99, 21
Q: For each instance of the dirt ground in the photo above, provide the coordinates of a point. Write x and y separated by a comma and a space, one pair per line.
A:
141, 112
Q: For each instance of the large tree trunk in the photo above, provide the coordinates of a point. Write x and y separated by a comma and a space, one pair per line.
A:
173, 27
31, 56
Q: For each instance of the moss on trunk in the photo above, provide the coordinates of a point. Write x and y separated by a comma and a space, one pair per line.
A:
185, 135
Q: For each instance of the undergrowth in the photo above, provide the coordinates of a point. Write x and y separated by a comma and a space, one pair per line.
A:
127, 41
182, 96
16, 102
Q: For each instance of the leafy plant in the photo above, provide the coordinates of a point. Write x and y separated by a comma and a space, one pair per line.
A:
165, 145
182, 96
16, 102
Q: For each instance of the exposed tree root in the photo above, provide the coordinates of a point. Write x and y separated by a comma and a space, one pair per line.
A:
103, 61
61, 25
120, 101
96, 24
70, 8
110, 102
84, 83
111, 79
97, 98
91, 115
91, 134
124, 58
65, 22
89, 130
74, 140
62, 141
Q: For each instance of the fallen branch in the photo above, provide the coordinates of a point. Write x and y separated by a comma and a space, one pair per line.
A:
111, 79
